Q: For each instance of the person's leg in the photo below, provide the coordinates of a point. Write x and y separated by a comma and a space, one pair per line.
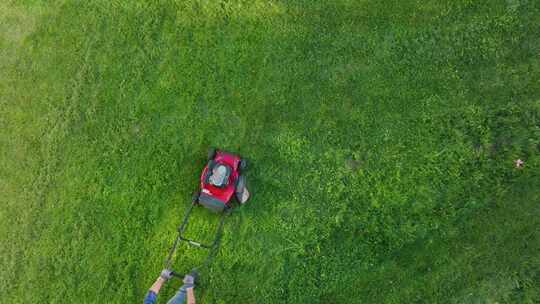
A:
179, 297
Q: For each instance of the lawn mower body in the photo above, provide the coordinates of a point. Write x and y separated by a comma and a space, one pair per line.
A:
216, 196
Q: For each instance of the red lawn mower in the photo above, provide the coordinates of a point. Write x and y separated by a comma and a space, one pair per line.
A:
220, 180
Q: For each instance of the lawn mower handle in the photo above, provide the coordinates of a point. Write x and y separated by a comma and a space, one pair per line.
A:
181, 276
212, 248
195, 243
176, 274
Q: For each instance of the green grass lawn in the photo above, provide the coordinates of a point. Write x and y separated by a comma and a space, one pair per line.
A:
381, 137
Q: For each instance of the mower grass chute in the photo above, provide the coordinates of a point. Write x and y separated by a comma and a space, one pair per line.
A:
220, 180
